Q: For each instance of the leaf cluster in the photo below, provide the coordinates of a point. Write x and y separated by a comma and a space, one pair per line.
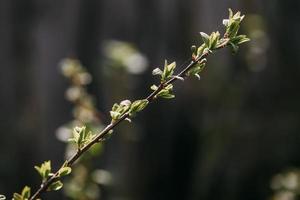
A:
45, 172
127, 107
24, 195
81, 136
166, 73
165, 93
232, 25
214, 41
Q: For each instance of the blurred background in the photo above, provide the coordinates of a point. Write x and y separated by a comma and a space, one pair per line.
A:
229, 136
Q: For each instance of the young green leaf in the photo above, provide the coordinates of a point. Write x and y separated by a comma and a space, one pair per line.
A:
168, 70
64, 171
240, 39
138, 106
214, 39
232, 24
118, 110
17, 196
26, 192
44, 170
115, 115
157, 71
167, 95
205, 38
81, 136
230, 13
200, 50
194, 49
55, 186
166, 92
115, 107
81, 133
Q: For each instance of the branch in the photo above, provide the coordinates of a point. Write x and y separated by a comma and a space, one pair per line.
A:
125, 110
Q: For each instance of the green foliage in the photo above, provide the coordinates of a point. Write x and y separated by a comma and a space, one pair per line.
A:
210, 41
118, 110
44, 170
165, 93
81, 136
24, 195
64, 171
57, 185
138, 106
166, 73
199, 66
214, 41
126, 107
165, 90
232, 25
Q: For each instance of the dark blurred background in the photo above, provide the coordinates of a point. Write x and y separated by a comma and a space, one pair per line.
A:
221, 138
